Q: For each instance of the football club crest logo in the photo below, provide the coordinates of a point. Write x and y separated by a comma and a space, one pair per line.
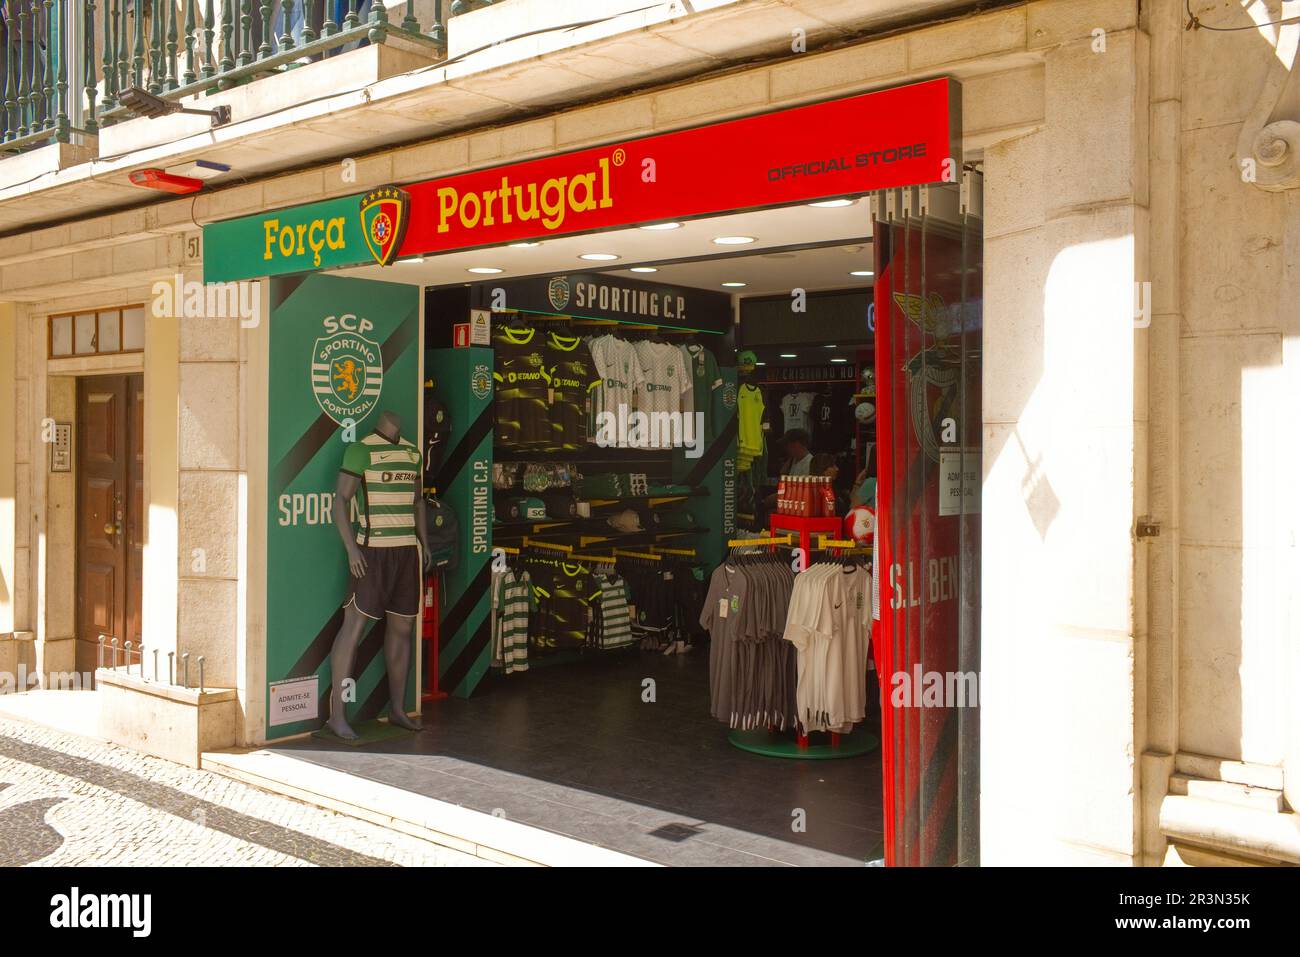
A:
347, 375
934, 373
558, 292
384, 215
481, 383
729, 395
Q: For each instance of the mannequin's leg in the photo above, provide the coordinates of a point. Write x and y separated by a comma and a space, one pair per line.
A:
397, 659
342, 657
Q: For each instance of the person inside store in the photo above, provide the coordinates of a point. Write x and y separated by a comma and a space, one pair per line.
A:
798, 457
825, 464
798, 461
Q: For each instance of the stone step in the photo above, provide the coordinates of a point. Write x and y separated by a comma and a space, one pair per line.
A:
1227, 792
1221, 769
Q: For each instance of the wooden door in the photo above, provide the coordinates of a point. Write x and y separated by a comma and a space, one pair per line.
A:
110, 500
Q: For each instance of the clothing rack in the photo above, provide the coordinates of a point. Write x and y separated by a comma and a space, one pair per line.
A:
769, 540
553, 546
624, 553
599, 559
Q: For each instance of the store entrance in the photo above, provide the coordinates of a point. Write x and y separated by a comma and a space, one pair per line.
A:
613, 648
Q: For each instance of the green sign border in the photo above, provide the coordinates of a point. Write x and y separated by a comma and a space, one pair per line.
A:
255, 246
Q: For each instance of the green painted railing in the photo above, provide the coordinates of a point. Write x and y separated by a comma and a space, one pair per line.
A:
67, 62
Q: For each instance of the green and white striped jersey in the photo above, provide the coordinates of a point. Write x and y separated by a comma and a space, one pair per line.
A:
390, 481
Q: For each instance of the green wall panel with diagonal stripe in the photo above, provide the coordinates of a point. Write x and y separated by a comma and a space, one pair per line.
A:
341, 351
463, 381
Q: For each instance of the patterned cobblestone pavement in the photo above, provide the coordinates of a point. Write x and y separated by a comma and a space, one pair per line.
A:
67, 800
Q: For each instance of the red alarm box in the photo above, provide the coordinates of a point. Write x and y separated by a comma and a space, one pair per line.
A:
166, 182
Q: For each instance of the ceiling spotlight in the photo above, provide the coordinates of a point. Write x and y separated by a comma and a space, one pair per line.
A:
839, 360
523, 245
734, 285
140, 102
733, 240
760, 363
789, 355
832, 347
412, 259
643, 269
833, 203
862, 272
485, 270
663, 226
598, 257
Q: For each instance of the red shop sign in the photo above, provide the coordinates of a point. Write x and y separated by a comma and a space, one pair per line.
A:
899, 137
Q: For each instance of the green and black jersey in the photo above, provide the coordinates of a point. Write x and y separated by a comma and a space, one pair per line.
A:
523, 387
565, 592
573, 377
390, 481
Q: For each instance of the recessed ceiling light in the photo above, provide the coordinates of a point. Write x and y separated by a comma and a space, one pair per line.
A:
734, 285
733, 240
598, 257
485, 270
523, 245
644, 269
412, 259
663, 226
832, 347
862, 272
839, 360
760, 363
833, 203
789, 355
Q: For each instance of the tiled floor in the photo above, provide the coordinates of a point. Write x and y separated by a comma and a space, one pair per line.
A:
574, 748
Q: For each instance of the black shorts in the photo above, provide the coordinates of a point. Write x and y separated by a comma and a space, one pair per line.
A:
392, 583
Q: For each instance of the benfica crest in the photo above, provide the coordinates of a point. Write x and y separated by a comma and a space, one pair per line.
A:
347, 375
384, 214
934, 373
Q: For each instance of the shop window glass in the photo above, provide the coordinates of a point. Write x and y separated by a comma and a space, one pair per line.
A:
83, 331
110, 331
61, 336
133, 329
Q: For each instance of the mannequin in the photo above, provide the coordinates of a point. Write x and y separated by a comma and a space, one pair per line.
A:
386, 580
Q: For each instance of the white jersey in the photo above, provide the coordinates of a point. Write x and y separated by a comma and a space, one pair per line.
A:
620, 374
794, 410
663, 375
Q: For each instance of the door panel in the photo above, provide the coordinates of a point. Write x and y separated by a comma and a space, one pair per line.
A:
99, 596
135, 509
100, 427
928, 297
110, 497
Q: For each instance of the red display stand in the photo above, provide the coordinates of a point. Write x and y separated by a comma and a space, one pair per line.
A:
429, 633
805, 527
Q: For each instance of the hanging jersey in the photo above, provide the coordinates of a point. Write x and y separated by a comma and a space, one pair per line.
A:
749, 404
663, 381
706, 381
522, 385
390, 481
573, 379
795, 409
832, 422
620, 376
615, 621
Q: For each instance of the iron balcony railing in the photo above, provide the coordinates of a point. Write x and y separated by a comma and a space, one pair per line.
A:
67, 62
